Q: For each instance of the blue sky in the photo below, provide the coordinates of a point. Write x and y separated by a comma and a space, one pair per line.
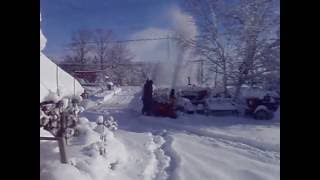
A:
125, 17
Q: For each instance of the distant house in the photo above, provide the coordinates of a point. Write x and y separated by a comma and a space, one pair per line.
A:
92, 77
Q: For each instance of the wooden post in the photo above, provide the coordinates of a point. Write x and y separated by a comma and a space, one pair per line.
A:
62, 149
57, 78
74, 86
62, 140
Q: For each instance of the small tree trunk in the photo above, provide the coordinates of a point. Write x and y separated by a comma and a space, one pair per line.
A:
225, 90
238, 88
216, 77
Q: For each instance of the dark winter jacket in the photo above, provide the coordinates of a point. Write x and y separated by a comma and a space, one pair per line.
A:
147, 91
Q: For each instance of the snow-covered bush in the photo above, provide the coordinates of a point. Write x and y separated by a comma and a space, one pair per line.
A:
108, 122
60, 118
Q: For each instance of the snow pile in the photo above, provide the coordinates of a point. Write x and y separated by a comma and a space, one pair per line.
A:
94, 154
105, 95
99, 97
53, 79
58, 171
110, 94
88, 103
45, 133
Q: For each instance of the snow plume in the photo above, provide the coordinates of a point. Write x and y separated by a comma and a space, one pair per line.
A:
150, 51
183, 24
185, 30
172, 66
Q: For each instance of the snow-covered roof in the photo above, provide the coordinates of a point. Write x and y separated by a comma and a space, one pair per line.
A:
53, 79
92, 71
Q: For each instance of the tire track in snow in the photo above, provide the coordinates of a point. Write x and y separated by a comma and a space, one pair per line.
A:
165, 161
242, 142
155, 169
241, 148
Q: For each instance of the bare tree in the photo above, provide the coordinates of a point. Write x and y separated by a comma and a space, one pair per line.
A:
119, 63
212, 45
102, 46
80, 46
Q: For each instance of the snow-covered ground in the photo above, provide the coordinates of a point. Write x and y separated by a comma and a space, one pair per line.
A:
187, 148
98, 96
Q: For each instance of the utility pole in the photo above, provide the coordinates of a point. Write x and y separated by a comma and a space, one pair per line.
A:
57, 79
201, 61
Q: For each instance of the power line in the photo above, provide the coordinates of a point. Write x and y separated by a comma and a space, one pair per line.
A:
141, 39
131, 40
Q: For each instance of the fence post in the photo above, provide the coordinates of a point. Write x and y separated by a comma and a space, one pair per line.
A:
74, 86
62, 141
62, 150
57, 77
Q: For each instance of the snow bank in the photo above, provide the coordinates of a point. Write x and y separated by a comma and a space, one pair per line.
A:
58, 171
85, 154
99, 98
88, 103
45, 133
109, 96
50, 74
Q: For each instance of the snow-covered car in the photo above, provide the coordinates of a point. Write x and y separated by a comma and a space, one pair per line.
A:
195, 94
201, 109
216, 105
258, 102
185, 105
262, 108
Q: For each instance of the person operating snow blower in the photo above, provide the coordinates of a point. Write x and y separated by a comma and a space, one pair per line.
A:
147, 97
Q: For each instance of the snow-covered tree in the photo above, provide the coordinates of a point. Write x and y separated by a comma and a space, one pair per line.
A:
80, 46
254, 27
239, 38
119, 63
